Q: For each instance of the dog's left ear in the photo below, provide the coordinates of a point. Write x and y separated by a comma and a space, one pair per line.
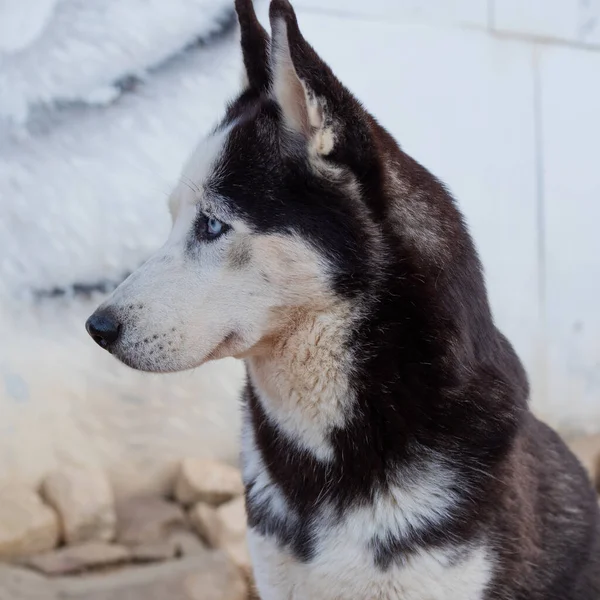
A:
301, 111
255, 44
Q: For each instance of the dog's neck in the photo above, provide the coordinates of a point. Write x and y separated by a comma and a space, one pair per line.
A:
353, 398
302, 378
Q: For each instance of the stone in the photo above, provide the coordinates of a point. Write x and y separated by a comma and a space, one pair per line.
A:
234, 521
148, 520
27, 525
213, 585
587, 450
17, 583
239, 554
206, 521
187, 544
155, 552
76, 559
218, 526
84, 501
225, 528
211, 576
206, 480
234, 524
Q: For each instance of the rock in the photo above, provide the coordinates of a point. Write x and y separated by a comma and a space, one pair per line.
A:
234, 522
75, 559
20, 584
148, 520
155, 552
587, 450
240, 556
187, 544
225, 528
27, 525
218, 526
211, 585
207, 523
84, 501
211, 576
206, 480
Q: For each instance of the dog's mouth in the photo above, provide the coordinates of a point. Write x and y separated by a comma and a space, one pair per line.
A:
159, 351
140, 363
148, 361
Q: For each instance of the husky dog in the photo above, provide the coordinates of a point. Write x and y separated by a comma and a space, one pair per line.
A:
388, 451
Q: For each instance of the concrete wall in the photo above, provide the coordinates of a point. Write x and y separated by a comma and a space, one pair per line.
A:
499, 99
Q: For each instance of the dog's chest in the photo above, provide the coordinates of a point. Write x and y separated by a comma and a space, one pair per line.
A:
343, 570
329, 557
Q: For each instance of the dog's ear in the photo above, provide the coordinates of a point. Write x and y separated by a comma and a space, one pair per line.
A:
287, 88
255, 45
309, 95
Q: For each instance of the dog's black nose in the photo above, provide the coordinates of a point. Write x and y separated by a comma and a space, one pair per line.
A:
104, 328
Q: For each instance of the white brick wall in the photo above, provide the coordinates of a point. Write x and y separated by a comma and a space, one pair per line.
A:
470, 12
570, 123
570, 21
501, 100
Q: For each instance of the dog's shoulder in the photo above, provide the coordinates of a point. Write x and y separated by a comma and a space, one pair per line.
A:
546, 522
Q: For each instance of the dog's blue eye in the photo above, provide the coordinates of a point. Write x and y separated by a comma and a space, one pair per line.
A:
214, 226
211, 228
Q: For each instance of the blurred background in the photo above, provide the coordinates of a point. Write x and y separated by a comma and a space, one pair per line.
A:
102, 100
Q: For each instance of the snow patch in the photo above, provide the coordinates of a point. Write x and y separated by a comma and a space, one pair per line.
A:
70, 49
86, 200
22, 22
102, 96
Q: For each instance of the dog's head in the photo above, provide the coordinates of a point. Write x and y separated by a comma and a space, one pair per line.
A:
281, 213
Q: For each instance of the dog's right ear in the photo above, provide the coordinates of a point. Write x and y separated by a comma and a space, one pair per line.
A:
255, 44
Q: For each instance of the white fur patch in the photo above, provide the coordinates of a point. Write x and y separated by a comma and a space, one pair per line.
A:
302, 383
343, 571
424, 496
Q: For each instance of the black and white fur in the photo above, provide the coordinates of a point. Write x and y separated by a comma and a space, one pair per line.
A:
388, 451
